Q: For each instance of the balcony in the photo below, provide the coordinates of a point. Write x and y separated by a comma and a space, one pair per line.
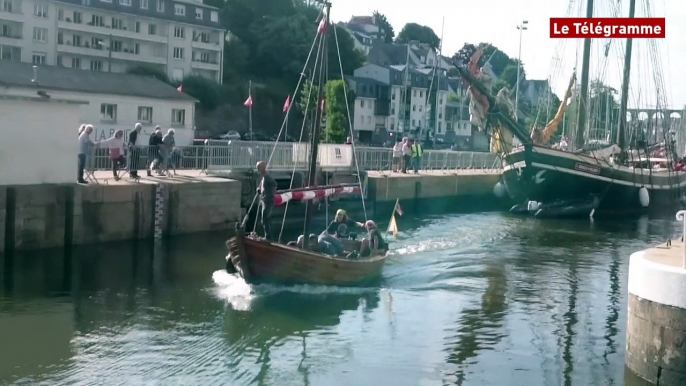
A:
206, 46
83, 50
12, 13
138, 58
205, 65
11, 39
107, 31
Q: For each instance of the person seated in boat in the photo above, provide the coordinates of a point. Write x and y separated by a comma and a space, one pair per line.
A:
328, 233
373, 244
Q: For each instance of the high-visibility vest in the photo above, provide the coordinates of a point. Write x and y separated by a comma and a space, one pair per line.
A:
417, 150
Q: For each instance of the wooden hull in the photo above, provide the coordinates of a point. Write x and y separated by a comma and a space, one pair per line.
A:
259, 261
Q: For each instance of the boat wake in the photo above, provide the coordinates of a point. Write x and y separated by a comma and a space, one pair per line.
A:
240, 295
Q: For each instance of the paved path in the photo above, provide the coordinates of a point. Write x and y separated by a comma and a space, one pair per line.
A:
670, 256
103, 177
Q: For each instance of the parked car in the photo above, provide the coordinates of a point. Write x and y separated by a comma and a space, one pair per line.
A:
231, 135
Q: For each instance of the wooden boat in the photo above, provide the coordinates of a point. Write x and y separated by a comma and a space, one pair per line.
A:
258, 260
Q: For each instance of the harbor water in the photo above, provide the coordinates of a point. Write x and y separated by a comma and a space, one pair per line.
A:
467, 299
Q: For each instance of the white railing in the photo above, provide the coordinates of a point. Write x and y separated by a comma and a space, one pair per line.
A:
681, 216
244, 155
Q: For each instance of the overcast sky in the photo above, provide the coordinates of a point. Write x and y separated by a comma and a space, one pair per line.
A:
495, 21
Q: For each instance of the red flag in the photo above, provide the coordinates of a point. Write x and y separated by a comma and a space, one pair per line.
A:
398, 209
322, 26
180, 88
287, 104
248, 102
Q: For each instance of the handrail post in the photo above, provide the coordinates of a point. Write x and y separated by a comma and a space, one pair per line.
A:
681, 216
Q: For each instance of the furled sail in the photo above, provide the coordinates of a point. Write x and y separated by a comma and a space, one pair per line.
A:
315, 192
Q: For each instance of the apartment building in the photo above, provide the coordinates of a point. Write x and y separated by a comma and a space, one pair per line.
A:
174, 36
392, 102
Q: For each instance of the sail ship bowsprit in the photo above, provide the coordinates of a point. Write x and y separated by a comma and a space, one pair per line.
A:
578, 179
257, 259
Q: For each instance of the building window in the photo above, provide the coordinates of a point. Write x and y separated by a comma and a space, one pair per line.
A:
98, 21
7, 6
179, 32
137, 26
160, 5
420, 108
439, 127
60, 14
145, 114
85, 2
179, 10
214, 16
393, 95
78, 17
440, 115
40, 34
152, 29
136, 48
198, 13
117, 24
40, 10
10, 53
144, 4
59, 61
108, 113
39, 57
76, 63
106, 1
125, 2
361, 103
60, 38
205, 57
414, 93
178, 117
117, 46
96, 65
178, 53
414, 107
421, 94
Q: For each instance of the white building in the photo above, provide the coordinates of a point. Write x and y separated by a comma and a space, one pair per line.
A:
174, 36
113, 101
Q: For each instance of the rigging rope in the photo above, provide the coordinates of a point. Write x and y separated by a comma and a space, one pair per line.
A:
352, 136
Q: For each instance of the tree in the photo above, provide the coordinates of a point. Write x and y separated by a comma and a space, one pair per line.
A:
509, 75
498, 59
601, 101
420, 33
207, 92
149, 71
350, 57
337, 124
381, 21
238, 54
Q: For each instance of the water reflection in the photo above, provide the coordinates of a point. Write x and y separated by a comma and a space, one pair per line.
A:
468, 299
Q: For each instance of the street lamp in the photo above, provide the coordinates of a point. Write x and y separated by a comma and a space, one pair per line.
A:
521, 28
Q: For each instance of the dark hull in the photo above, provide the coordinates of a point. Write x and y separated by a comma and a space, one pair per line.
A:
548, 176
259, 261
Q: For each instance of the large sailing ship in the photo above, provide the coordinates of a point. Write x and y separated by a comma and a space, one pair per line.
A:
634, 170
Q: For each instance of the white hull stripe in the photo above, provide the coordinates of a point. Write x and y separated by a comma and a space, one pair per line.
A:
522, 164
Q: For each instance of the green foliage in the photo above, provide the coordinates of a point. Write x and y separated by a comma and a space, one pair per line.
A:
598, 96
337, 124
208, 92
149, 71
421, 33
509, 75
383, 23
311, 90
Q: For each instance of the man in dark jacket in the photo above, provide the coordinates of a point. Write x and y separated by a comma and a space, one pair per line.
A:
154, 150
134, 152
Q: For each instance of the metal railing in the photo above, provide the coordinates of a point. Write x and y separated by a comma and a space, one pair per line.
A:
243, 155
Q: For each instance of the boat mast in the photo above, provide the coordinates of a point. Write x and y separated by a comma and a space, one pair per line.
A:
621, 135
317, 124
583, 97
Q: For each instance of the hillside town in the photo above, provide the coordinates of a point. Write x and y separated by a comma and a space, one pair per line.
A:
395, 83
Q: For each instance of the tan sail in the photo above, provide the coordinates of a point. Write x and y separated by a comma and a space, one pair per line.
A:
542, 138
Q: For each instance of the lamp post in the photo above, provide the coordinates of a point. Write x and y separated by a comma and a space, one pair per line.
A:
521, 28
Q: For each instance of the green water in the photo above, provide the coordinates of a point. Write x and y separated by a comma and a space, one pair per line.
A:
473, 299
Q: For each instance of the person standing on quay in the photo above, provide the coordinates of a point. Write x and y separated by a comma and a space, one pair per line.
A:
154, 150
134, 153
85, 147
407, 154
267, 191
417, 152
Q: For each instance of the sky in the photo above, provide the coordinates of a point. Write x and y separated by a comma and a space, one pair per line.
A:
495, 21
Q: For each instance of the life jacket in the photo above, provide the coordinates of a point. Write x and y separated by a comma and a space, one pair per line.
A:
417, 150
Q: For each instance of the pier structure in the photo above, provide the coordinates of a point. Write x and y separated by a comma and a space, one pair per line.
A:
656, 323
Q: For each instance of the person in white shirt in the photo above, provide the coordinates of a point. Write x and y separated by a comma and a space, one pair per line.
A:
407, 154
397, 155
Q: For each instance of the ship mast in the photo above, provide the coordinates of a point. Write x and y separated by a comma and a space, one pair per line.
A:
583, 96
315, 133
621, 135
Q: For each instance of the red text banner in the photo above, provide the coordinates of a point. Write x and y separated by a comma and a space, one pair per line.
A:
607, 28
